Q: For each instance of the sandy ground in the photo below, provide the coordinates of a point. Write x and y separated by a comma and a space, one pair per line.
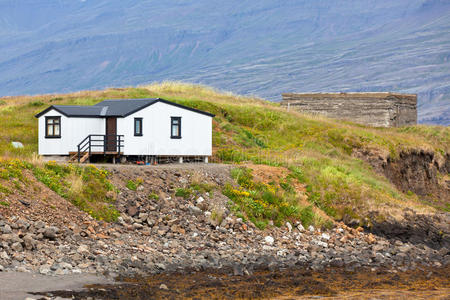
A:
16, 285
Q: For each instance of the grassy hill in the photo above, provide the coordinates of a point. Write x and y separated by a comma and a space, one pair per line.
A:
318, 153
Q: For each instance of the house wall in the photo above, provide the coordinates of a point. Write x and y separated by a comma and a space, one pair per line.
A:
73, 131
196, 132
374, 109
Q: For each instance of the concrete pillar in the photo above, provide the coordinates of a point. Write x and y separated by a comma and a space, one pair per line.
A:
180, 159
205, 159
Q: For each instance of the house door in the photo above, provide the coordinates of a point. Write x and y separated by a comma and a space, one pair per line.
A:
111, 134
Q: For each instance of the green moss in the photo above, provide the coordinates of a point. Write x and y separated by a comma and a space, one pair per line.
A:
4, 203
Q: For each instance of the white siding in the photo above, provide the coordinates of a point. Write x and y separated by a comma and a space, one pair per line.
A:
196, 132
73, 131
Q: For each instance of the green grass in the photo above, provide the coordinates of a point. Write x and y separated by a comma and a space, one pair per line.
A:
317, 150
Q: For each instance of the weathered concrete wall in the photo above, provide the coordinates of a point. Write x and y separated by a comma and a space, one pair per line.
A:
375, 109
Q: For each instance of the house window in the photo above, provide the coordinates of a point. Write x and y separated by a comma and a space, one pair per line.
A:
137, 126
175, 128
52, 127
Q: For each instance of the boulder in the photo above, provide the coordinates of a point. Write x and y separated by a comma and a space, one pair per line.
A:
51, 232
269, 240
289, 226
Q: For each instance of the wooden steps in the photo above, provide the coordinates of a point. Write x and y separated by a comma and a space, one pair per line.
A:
74, 157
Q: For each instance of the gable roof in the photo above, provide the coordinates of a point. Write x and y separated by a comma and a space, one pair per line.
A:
113, 108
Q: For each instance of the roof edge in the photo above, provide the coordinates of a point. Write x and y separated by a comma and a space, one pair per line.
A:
173, 104
38, 115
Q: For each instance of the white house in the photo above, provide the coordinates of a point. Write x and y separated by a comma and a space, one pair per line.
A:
145, 128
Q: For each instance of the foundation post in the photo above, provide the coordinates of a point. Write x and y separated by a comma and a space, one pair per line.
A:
205, 159
180, 159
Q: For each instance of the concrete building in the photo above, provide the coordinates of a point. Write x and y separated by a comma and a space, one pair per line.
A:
374, 109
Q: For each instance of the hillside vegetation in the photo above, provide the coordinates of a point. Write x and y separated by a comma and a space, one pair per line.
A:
317, 152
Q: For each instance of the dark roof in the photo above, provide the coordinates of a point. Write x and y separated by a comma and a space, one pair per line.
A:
122, 108
112, 108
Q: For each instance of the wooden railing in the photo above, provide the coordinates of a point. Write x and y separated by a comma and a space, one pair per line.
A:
112, 143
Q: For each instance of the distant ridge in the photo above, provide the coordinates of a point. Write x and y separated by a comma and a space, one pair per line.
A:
258, 48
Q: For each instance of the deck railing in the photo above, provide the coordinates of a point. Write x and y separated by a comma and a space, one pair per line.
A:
108, 143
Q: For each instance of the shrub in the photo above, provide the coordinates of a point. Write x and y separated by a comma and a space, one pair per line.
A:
134, 184
153, 196
183, 192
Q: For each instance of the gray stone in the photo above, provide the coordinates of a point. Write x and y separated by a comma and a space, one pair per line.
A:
137, 226
289, 226
269, 240
238, 270
39, 224
44, 269
17, 144
163, 287
200, 200
325, 237
83, 249
51, 232
6, 229
29, 242
4, 255
17, 247
195, 210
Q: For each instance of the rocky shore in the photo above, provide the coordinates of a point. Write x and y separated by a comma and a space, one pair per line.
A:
166, 234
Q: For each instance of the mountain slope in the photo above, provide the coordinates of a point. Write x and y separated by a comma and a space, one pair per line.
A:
261, 48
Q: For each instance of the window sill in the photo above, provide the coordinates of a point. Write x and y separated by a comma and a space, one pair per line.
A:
138, 135
52, 137
175, 137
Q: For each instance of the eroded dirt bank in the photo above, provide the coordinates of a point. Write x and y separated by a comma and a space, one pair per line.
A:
286, 284
422, 172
